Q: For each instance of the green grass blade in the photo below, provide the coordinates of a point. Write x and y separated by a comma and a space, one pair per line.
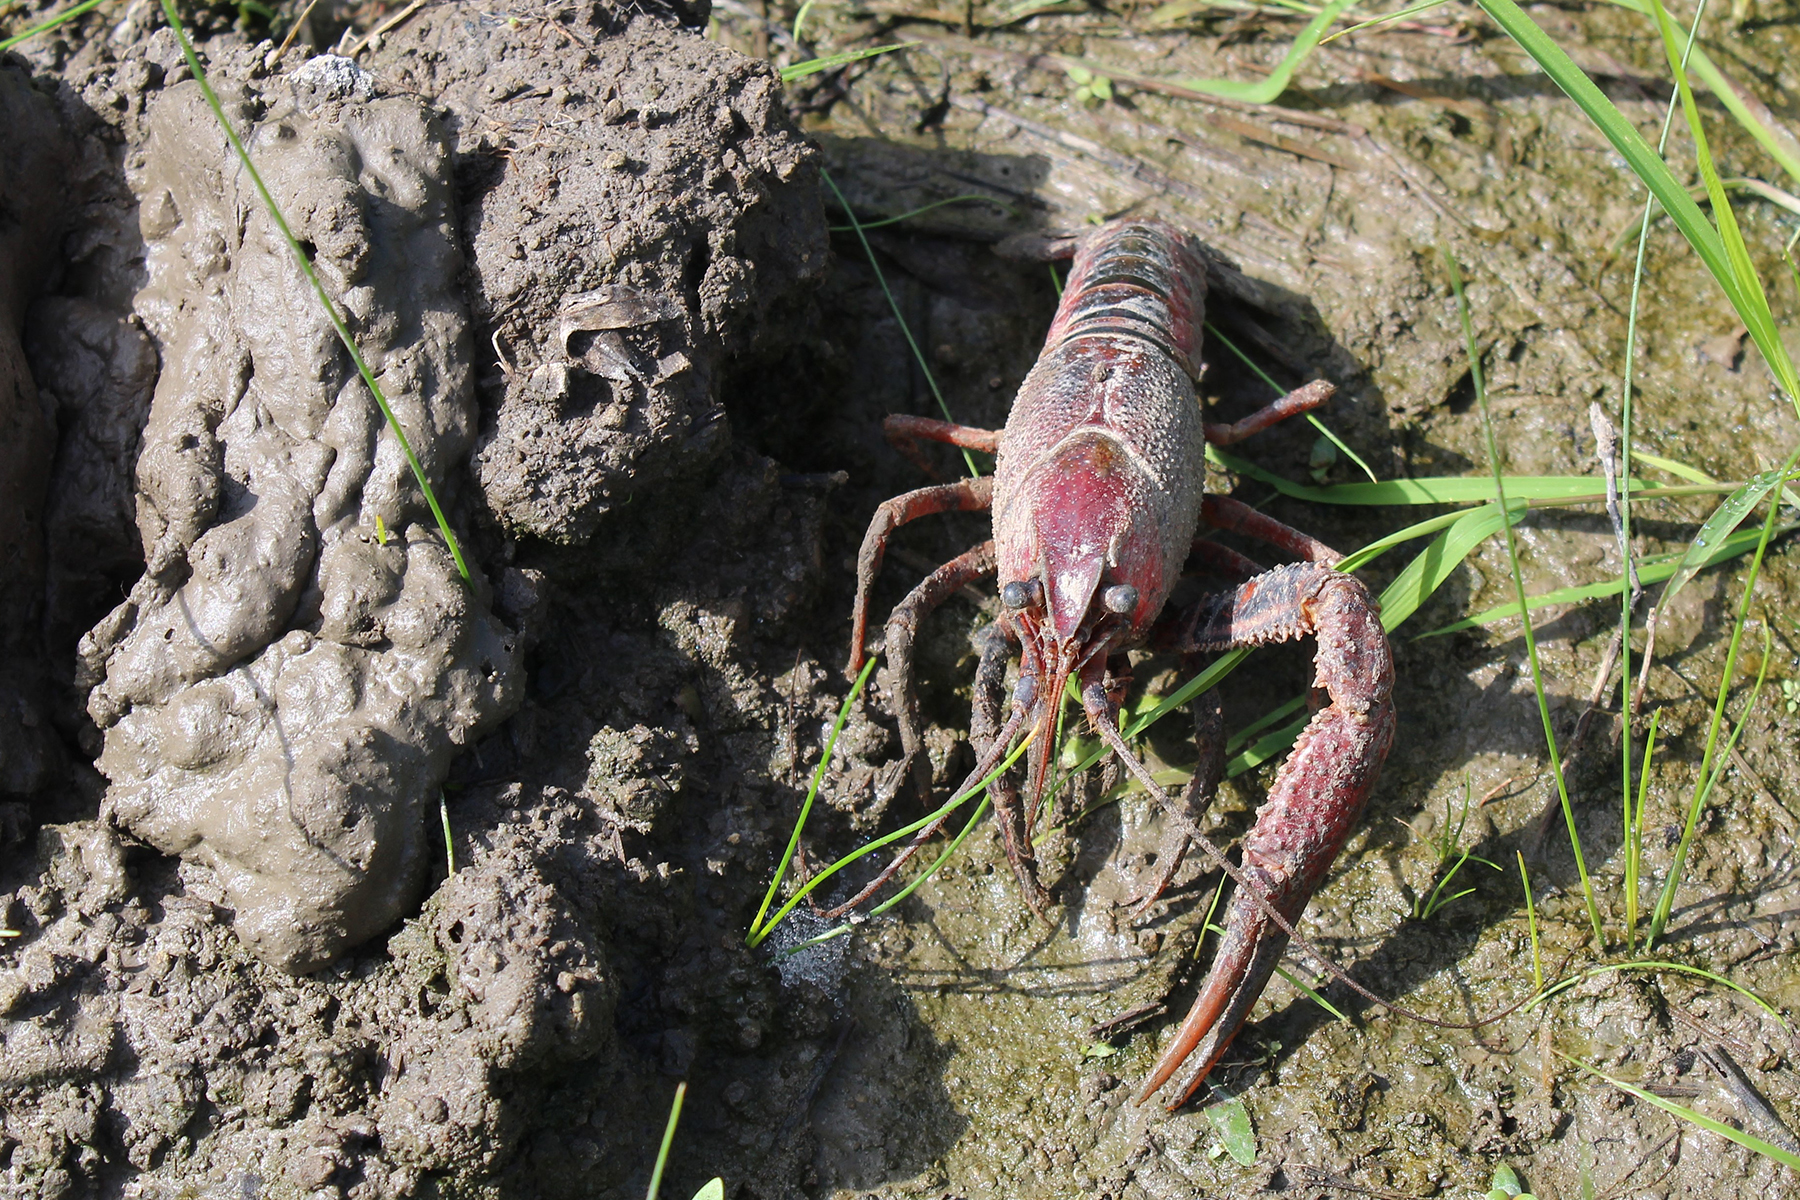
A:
306, 269
1404, 13
787, 856
1650, 570
1634, 834
1708, 779
1428, 571
1650, 965
1701, 1120
46, 26
1678, 469
668, 1140
1278, 713
1265, 748
832, 62
893, 305
1753, 311
1312, 994
1518, 577
1264, 91
949, 806
1718, 527
1537, 957
1439, 489
1213, 332
925, 208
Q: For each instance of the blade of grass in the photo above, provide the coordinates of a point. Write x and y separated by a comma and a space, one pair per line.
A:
306, 268
943, 857
925, 208
812, 791
1432, 566
1737, 101
1213, 332
1518, 577
1650, 570
668, 1140
1404, 13
1312, 994
1753, 311
1720, 525
1537, 957
893, 304
1634, 833
1701, 1120
1265, 91
832, 62
1265, 748
1756, 314
949, 806
46, 26
1443, 489
1653, 965
1255, 727
1707, 780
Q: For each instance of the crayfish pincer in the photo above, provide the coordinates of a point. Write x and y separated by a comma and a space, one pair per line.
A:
1097, 494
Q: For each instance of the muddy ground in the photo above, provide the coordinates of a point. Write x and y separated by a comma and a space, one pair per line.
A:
591, 257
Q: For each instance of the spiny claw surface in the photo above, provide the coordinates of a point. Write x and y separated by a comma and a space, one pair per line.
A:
1317, 800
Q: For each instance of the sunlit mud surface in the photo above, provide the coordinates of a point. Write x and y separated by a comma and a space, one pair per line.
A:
678, 373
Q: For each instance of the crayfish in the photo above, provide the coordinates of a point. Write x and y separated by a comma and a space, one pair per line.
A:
1097, 495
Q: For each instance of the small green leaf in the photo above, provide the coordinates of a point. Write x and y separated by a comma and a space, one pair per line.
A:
1232, 1120
1078, 74
1099, 1050
1506, 1182
712, 1189
832, 62
1724, 520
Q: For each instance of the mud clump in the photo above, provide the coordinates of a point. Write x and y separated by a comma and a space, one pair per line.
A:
287, 683
665, 213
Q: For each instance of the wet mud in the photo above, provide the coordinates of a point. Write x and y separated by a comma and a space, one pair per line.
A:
384, 884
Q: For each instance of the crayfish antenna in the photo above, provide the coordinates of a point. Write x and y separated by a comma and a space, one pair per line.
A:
1001, 747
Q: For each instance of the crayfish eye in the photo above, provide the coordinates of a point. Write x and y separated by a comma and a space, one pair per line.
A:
1022, 593
1120, 598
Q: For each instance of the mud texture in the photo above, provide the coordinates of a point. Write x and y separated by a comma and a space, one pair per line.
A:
284, 688
34, 146
616, 265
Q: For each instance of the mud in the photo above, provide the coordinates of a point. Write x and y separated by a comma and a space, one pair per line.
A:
32, 212
647, 369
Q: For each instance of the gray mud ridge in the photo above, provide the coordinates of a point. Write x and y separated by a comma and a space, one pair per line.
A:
284, 688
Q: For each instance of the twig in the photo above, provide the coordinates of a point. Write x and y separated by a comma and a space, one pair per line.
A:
382, 29
1712, 1049
1320, 1177
295, 28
